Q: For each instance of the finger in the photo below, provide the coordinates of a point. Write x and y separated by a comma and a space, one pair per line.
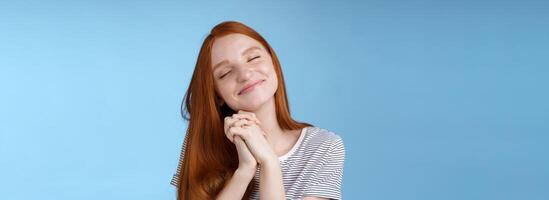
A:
238, 141
241, 146
247, 116
238, 131
251, 114
230, 136
242, 122
230, 122
227, 123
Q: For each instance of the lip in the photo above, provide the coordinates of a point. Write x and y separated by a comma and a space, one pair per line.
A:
249, 87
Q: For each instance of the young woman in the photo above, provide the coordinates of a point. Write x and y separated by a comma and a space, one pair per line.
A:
241, 140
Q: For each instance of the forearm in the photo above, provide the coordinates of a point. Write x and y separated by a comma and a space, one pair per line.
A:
236, 187
270, 181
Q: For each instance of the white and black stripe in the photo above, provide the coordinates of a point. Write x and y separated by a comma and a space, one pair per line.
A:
175, 178
313, 167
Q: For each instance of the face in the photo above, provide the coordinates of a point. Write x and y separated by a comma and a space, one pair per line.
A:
238, 62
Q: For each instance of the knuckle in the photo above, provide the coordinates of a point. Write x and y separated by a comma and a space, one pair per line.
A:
232, 129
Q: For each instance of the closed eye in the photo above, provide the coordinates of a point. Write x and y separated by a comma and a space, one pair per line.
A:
224, 74
230, 71
254, 58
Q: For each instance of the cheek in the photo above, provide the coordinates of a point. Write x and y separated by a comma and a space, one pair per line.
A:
270, 73
268, 68
273, 81
225, 89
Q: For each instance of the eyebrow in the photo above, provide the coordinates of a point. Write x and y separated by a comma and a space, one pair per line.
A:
243, 53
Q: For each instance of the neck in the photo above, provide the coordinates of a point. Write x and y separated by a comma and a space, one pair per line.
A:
266, 114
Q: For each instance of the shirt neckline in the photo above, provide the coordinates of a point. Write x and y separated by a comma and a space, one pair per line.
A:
296, 145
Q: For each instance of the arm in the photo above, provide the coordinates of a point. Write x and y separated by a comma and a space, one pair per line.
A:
236, 186
247, 166
270, 181
270, 175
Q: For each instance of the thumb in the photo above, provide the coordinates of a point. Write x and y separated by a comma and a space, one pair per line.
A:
237, 139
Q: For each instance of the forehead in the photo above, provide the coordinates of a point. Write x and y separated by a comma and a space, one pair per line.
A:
231, 46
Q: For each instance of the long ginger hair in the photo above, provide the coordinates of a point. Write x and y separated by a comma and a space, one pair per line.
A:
208, 159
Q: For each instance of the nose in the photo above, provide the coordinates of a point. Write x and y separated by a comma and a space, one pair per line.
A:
243, 73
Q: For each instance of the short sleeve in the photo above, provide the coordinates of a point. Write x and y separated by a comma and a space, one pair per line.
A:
175, 178
326, 182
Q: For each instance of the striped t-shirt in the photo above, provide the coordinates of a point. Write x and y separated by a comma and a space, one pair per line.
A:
312, 167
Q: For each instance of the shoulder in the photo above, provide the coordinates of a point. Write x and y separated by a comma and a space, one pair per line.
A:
323, 141
323, 137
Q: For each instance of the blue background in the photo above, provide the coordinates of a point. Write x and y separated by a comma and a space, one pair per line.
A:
433, 99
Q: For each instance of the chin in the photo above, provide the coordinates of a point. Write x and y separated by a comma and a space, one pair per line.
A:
251, 106
255, 103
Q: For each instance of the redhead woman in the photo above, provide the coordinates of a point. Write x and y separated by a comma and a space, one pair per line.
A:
241, 141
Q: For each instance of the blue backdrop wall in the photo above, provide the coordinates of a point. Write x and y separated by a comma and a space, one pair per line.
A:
433, 99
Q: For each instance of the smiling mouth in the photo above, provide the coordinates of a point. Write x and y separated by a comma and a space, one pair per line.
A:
252, 87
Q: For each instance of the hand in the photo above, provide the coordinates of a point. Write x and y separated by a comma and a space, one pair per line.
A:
246, 161
238, 120
253, 136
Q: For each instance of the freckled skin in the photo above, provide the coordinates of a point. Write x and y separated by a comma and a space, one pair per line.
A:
243, 69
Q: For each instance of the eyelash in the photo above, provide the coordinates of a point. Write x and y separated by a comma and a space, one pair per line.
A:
224, 75
254, 58
230, 71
